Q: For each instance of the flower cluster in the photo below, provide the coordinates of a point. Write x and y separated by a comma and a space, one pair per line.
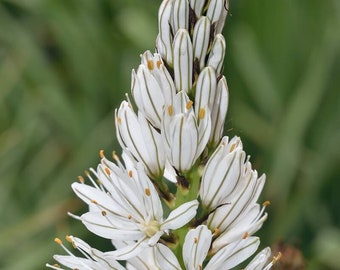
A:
182, 196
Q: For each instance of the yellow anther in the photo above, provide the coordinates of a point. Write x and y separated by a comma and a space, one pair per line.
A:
58, 241
129, 216
81, 179
277, 257
195, 240
159, 63
68, 238
201, 113
107, 170
189, 105
147, 192
216, 231
246, 234
130, 173
150, 65
104, 213
87, 173
200, 267
119, 120
266, 203
101, 154
232, 147
94, 202
115, 156
170, 110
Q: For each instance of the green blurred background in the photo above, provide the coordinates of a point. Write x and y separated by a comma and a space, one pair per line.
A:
65, 65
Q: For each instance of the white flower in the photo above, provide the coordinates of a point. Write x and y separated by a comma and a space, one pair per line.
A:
152, 87
93, 259
142, 140
195, 249
185, 138
183, 60
126, 206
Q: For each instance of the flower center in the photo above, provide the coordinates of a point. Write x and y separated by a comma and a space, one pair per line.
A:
151, 228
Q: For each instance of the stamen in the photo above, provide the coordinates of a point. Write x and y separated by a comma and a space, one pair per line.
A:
201, 113
115, 156
81, 179
119, 120
159, 63
147, 192
68, 239
129, 216
276, 258
246, 234
150, 65
232, 147
130, 173
101, 154
195, 240
216, 231
170, 110
58, 241
94, 202
189, 105
266, 203
104, 213
107, 170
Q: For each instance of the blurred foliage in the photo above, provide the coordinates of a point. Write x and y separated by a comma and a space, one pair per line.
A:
65, 65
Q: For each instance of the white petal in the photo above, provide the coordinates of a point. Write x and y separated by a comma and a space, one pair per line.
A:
196, 246
164, 39
166, 259
260, 260
183, 60
201, 39
180, 15
180, 216
217, 53
233, 254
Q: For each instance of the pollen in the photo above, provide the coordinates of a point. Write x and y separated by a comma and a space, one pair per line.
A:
94, 202
189, 105
81, 179
201, 113
232, 147
159, 63
170, 110
216, 231
101, 154
104, 213
195, 240
119, 120
147, 192
107, 170
150, 65
266, 203
58, 241
130, 173
246, 234
129, 216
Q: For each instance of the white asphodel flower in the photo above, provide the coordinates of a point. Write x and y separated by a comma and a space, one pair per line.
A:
92, 259
126, 206
229, 191
196, 247
140, 139
185, 135
152, 87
